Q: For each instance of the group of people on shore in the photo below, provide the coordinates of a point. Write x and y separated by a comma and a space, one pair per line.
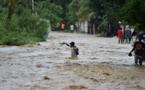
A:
72, 27
124, 36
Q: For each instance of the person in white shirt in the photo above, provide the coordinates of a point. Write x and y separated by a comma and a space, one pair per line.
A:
72, 28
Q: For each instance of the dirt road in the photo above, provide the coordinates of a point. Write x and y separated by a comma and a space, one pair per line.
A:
103, 64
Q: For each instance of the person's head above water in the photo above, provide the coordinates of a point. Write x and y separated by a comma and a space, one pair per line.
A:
72, 44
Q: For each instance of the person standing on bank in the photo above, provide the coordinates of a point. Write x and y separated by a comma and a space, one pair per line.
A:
72, 28
128, 34
62, 26
120, 35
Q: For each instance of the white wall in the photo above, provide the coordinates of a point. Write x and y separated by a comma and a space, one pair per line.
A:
83, 26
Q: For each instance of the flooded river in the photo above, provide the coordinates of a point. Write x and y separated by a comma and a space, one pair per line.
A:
102, 64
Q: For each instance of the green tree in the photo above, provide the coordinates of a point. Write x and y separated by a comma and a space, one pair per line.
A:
73, 8
22, 25
64, 5
49, 11
132, 12
104, 11
85, 12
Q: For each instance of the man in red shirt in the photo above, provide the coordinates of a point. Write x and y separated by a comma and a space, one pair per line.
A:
62, 26
120, 35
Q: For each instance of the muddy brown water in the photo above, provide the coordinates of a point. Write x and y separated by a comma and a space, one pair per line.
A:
103, 64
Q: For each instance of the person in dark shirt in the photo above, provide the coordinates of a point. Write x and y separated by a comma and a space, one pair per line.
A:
139, 49
128, 34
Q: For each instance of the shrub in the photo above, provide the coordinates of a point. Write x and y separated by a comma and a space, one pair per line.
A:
25, 29
102, 27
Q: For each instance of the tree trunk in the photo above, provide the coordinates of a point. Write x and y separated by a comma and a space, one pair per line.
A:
11, 7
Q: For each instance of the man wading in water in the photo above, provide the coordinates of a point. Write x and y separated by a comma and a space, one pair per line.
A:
139, 50
74, 50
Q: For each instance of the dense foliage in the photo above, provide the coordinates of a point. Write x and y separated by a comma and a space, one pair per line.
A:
133, 12
24, 21
20, 24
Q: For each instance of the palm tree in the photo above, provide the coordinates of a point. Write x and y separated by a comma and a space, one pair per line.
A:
84, 12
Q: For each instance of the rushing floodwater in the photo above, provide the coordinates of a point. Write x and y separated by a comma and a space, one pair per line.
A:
103, 64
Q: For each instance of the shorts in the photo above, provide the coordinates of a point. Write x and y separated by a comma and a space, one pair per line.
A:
137, 57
